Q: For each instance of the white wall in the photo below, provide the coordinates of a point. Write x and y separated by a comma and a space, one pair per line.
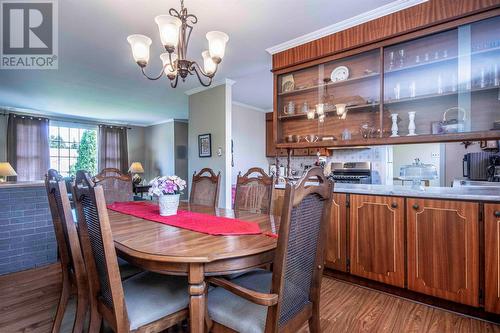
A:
159, 150
210, 112
249, 139
135, 145
428, 153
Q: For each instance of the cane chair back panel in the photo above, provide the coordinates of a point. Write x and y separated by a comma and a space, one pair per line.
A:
117, 186
98, 243
254, 194
205, 188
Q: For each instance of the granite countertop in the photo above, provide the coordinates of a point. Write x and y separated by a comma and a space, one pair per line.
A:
36, 183
458, 193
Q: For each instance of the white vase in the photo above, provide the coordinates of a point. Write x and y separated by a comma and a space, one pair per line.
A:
411, 125
394, 128
168, 204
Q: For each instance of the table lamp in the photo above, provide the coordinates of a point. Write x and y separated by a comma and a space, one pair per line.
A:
6, 170
136, 168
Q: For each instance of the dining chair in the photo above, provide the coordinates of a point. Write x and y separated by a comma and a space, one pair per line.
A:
74, 276
282, 300
116, 184
254, 193
205, 188
146, 302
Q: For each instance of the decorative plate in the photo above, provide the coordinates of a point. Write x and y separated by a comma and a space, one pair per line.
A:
287, 83
340, 73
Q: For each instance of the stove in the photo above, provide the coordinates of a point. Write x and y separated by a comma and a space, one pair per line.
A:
351, 172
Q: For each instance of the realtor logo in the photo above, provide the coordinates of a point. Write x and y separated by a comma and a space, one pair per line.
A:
29, 34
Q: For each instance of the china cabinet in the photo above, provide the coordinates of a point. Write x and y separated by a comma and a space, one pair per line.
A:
444, 86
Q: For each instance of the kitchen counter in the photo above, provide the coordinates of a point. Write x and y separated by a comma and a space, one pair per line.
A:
491, 194
36, 183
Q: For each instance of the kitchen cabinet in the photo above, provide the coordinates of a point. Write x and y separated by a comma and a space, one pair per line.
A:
336, 245
443, 249
492, 257
377, 238
270, 148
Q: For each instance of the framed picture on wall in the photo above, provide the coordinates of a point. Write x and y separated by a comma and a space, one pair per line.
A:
205, 145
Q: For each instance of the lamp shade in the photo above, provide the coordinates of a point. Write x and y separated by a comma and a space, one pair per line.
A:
169, 27
140, 45
169, 70
217, 44
6, 170
136, 167
209, 66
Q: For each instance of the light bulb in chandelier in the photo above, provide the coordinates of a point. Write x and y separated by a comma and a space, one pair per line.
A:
209, 66
140, 45
169, 27
170, 72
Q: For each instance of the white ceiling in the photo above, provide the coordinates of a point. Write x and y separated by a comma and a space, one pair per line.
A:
97, 78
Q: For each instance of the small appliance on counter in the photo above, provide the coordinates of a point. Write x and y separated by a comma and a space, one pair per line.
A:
351, 172
475, 165
494, 169
417, 172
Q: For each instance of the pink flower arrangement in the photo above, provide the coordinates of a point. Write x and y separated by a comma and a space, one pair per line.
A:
166, 185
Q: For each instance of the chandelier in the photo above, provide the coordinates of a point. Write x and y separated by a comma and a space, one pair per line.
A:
175, 31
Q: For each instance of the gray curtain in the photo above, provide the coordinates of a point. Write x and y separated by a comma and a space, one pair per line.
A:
113, 151
28, 146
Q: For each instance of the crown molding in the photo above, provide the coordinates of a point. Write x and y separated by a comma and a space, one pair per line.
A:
248, 106
376, 13
196, 90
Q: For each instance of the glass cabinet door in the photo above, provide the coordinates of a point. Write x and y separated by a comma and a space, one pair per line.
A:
330, 101
446, 83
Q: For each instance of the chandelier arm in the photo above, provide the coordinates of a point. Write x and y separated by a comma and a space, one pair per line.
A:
173, 83
200, 79
155, 77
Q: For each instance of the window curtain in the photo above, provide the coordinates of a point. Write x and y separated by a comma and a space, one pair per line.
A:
28, 146
113, 148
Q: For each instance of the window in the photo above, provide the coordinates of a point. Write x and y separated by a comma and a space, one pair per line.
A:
72, 148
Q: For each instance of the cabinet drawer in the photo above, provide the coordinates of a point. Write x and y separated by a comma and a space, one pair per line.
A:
301, 152
314, 151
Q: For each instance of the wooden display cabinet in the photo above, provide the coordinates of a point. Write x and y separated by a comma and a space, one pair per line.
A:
443, 249
450, 81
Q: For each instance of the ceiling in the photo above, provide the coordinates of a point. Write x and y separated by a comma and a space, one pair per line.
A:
98, 80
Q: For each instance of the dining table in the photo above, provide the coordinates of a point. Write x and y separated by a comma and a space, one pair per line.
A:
170, 250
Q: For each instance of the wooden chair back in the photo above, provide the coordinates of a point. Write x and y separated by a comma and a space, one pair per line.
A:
254, 193
117, 186
99, 252
298, 262
72, 263
205, 188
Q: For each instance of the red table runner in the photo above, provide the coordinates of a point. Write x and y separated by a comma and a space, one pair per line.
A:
204, 223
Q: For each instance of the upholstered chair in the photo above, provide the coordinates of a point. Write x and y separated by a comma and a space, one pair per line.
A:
205, 188
146, 302
285, 299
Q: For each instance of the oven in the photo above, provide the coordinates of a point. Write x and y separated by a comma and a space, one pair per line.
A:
351, 172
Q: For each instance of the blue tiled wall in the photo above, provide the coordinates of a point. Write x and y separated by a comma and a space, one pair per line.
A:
27, 238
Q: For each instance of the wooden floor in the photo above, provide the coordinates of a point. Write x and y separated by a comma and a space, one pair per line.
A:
28, 301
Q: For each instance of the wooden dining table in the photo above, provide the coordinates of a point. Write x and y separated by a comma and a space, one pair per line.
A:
171, 250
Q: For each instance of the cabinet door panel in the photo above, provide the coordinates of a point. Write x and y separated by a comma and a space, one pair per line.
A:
336, 246
492, 257
443, 249
377, 238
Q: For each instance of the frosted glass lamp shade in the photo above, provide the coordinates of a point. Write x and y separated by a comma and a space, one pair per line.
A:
169, 70
6, 170
341, 110
140, 45
320, 109
217, 44
209, 66
136, 167
169, 27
